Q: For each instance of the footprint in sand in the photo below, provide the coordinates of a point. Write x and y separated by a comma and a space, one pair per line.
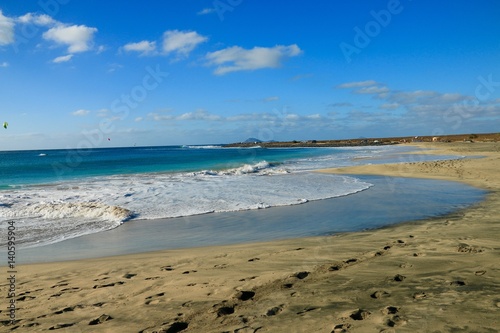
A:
301, 275
249, 278
108, 285
187, 272
419, 295
104, 278
245, 295
68, 309
59, 285
308, 309
129, 275
336, 267
167, 268
458, 283
177, 327
274, 311
380, 294
341, 328
103, 318
390, 310
225, 310
154, 299
152, 278
399, 278
396, 321
59, 326
360, 314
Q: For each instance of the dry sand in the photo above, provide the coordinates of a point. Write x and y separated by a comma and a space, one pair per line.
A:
440, 275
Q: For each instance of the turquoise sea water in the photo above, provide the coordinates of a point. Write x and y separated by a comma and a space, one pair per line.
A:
47, 166
55, 195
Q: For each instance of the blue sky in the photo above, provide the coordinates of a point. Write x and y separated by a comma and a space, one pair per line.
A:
77, 74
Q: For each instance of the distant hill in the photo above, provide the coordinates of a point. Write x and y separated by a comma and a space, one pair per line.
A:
252, 140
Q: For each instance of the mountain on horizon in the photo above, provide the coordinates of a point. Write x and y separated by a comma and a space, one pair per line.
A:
252, 140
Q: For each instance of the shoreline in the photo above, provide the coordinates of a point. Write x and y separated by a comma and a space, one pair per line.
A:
436, 275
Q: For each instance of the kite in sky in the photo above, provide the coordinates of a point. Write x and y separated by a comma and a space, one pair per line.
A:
5, 124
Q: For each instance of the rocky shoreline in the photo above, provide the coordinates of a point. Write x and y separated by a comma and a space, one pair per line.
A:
488, 137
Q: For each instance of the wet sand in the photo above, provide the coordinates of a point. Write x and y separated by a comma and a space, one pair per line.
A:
437, 275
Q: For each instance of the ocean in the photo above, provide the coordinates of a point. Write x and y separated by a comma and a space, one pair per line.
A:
55, 195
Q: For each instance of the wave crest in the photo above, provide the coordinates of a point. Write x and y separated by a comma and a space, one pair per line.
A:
91, 210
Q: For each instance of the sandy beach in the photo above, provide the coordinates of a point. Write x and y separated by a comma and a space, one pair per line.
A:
438, 275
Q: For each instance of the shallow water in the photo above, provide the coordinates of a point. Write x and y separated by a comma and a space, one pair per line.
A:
391, 200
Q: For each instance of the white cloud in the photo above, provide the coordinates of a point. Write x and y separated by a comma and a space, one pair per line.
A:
80, 113
181, 42
144, 47
389, 106
138, 119
42, 20
199, 115
160, 117
78, 38
372, 90
236, 58
357, 84
206, 11
315, 116
4, 64
63, 58
339, 104
6, 30
271, 99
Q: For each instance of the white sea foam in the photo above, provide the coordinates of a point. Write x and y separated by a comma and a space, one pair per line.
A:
53, 212
204, 147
